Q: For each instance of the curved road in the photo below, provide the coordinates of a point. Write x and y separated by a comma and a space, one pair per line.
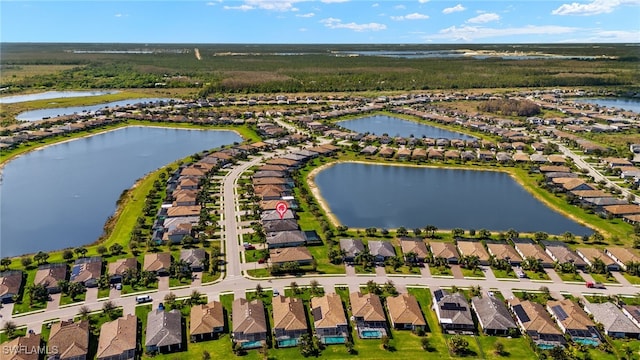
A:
235, 281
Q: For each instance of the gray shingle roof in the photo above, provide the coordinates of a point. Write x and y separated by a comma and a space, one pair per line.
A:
163, 328
492, 313
612, 318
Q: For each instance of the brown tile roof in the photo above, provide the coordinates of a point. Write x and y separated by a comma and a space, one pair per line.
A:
445, 250
473, 248
206, 317
416, 246
69, 339
537, 319
49, 275
593, 253
628, 209
503, 251
117, 337
533, 250
554, 168
624, 255
248, 316
328, 311
191, 210
10, 282
283, 255
157, 261
366, 306
404, 309
590, 193
574, 183
119, 266
23, 346
288, 314
576, 318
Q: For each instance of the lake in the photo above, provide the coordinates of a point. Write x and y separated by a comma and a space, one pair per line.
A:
368, 195
61, 195
382, 124
35, 115
51, 95
618, 103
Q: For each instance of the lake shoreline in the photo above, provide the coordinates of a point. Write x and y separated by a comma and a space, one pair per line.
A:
315, 190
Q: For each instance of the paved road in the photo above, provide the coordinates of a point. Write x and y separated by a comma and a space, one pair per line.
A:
235, 282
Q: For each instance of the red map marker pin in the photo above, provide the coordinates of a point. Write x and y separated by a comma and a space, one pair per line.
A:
281, 208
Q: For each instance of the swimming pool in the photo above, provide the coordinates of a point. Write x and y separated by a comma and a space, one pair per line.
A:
328, 340
587, 341
371, 334
251, 344
287, 343
546, 346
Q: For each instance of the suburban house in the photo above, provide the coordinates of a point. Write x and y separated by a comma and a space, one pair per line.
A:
176, 231
10, 282
416, 246
474, 248
368, 314
329, 319
289, 320
271, 215
405, 313
503, 251
69, 340
527, 248
632, 312
614, 322
622, 210
536, 323
589, 255
561, 254
23, 346
196, 258
158, 263
206, 321
118, 268
118, 339
622, 256
249, 323
445, 250
280, 225
574, 321
164, 331
300, 255
180, 211
351, 248
493, 316
381, 250
453, 312
50, 275
282, 239
87, 271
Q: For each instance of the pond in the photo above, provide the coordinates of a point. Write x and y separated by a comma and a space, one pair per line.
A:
629, 104
368, 195
61, 195
392, 126
51, 95
35, 115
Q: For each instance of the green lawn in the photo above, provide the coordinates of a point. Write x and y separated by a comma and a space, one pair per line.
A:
173, 282
66, 299
404, 270
537, 297
570, 276
129, 289
635, 280
604, 278
534, 275
19, 332
23, 304
440, 271
103, 293
208, 277
504, 274
472, 273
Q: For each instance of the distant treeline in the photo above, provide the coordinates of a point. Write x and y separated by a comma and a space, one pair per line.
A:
318, 71
510, 107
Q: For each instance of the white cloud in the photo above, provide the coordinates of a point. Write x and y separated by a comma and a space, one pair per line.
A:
375, 5
333, 23
118, 15
303, 29
243, 7
333, 1
308, 15
470, 33
456, 8
484, 18
605, 36
594, 7
400, 7
269, 5
214, 3
423, 1
414, 16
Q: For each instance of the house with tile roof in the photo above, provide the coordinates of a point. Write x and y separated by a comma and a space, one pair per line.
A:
87, 271
206, 321
589, 255
622, 256
416, 246
164, 331
504, 251
493, 316
445, 250
118, 268
196, 258
158, 263
560, 253
329, 319
49, 275
368, 315
69, 340
249, 323
118, 339
351, 248
289, 320
405, 312
24, 346
300, 255
10, 283
381, 250
614, 322
453, 312
473, 248
574, 321
536, 323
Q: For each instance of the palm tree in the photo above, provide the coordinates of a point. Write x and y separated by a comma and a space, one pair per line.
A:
84, 312
402, 231
10, 328
5, 262
41, 257
115, 249
108, 307
314, 287
81, 251
431, 230
457, 232
512, 234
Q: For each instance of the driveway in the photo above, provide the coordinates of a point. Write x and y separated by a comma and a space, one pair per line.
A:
55, 302
553, 275
114, 293
163, 283
425, 272
621, 279
457, 272
350, 270
197, 279
381, 272
92, 294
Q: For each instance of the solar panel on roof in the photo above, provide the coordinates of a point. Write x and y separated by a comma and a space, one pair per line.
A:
317, 313
438, 295
559, 311
521, 314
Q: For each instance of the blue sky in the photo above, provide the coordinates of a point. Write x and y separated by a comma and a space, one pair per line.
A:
325, 21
